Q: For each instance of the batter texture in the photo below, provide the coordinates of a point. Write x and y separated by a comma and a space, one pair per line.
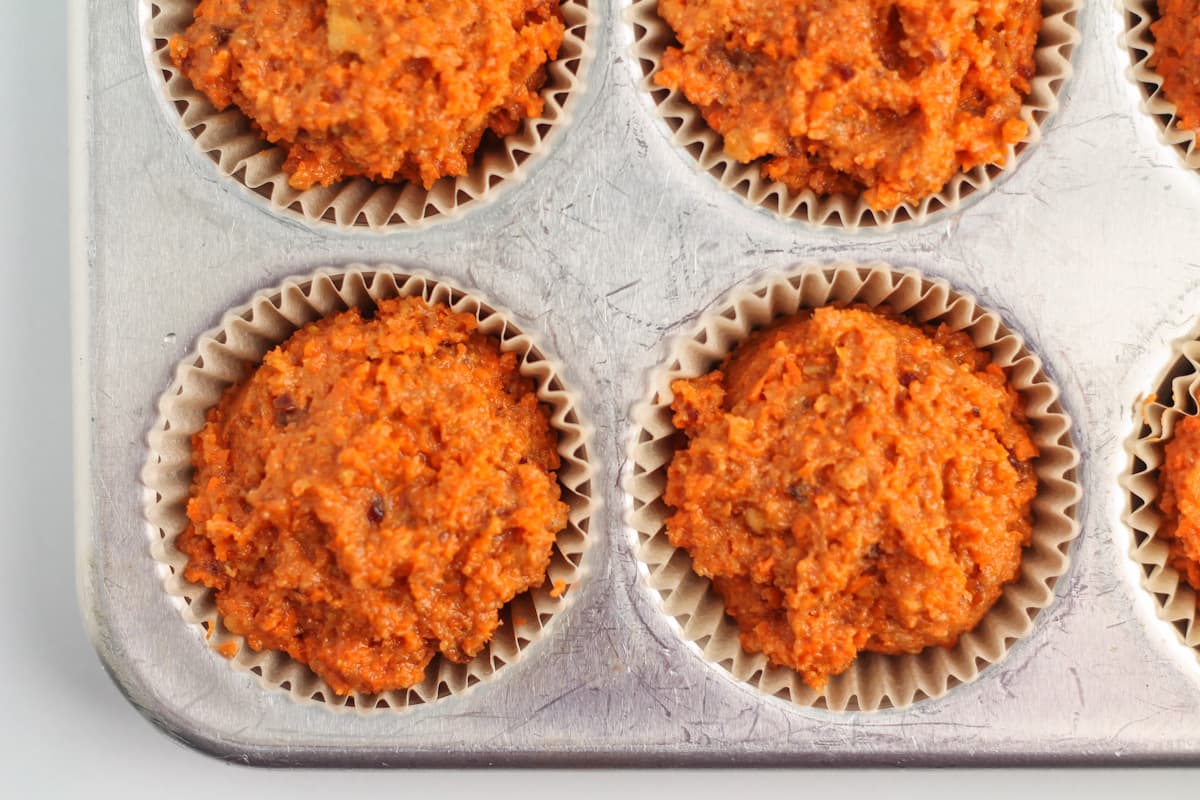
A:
1179, 499
386, 89
373, 494
887, 99
1176, 57
852, 482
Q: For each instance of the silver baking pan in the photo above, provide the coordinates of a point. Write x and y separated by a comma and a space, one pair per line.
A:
612, 241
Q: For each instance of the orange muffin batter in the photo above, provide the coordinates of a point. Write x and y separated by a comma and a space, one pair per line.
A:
388, 89
1179, 499
852, 482
883, 98
374, 494
1176, 57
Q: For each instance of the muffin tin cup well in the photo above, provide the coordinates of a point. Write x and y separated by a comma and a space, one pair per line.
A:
874, 681
243, 155
1176, 396
1139, 15
652, 36
223, 356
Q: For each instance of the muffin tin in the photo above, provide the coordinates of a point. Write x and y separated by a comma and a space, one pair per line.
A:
614, 242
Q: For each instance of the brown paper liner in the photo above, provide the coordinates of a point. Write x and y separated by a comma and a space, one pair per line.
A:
873, 681
1175, 397
243, 338
242, 154
1139, 14
652, 36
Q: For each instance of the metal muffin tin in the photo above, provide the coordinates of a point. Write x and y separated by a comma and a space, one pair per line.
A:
613, 243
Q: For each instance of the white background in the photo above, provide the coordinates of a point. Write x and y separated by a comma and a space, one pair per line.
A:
65, 730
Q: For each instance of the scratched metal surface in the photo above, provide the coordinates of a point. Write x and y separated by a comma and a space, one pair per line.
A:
612, 244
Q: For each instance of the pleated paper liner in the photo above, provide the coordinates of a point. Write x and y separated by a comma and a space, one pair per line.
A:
244, 336
874, 681
652, 36
1139, 14
242, 154
1175, 397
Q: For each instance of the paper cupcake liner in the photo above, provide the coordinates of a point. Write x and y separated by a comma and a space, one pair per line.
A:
1175, 397
874, 681
244, 336
652, 36
1139, 14
241, 153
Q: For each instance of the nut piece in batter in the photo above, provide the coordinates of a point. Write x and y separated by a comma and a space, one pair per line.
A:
373, 495
887, 99
387, 89
852, 482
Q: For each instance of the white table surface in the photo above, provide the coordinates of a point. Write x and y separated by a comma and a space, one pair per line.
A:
65, 731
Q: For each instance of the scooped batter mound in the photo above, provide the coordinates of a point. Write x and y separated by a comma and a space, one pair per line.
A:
883, 98
1179, 499
387, 89
374, 494
852, 482
1176, 57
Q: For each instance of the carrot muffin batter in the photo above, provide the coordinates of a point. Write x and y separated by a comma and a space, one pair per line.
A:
883, 98
1179, 499
373, 494
852, 482
1176, 57
387, 89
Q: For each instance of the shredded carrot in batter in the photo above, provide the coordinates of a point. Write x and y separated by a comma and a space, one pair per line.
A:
388, 89
883, 98
374, 494
1179, 499
852, 482
1176, 57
